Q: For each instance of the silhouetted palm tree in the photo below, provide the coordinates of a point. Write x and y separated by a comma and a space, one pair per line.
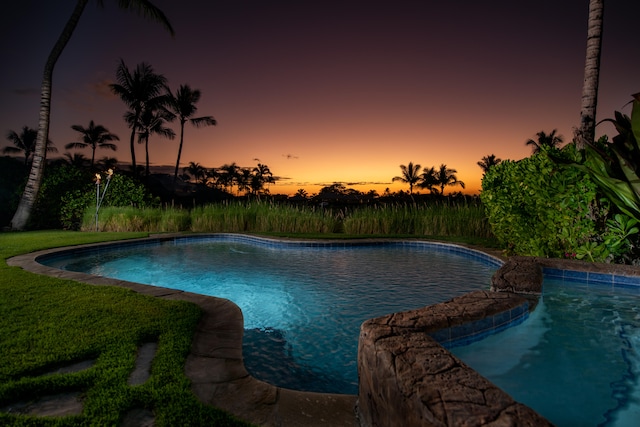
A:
25, 142
228, 175
586, 133
244, 180
183, 105
141, 91
197, 171
489, 161
262, 176
410, 175
552, 141
152, 122
25, 207
446, 177
78, 160
94, 136
429, 179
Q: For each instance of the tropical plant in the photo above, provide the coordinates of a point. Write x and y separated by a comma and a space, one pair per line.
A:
615, 165
447, 177
25, 142
410, 175
429, 179
94, 136
152, 121
183, 105
197, 171
488, 161
141, 91
78, 160
25, 207
538, 207
228, 175
586, 133
543, 140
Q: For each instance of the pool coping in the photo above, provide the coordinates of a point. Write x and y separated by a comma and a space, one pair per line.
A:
215, 366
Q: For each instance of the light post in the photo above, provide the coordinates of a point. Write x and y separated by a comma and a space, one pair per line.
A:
100, 197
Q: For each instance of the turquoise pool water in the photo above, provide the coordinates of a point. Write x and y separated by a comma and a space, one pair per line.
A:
302, 304
575, 360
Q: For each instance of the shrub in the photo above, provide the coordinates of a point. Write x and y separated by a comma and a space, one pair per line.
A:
537, 207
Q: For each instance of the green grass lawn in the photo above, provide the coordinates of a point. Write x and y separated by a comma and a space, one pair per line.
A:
46, 323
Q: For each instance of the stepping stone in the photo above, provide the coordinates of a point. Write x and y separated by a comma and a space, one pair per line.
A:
142, 371
56, 405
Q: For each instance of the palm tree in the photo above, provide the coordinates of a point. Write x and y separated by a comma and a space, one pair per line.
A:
488, 162
410, 175
228, 175
429, 179
76, 159
94, 137
586, 133
245, 180
152, 122
446, 177
197, 171
550, 141
262, 175
183, 105
301, 193
25, 142
25, 207
141, 91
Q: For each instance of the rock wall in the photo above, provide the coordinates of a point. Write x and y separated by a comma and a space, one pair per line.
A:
407, 378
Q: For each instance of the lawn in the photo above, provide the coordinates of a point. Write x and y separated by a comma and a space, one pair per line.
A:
48, 323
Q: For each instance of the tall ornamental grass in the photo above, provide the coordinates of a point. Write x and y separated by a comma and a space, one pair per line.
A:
438, 219
261, 217
131, 219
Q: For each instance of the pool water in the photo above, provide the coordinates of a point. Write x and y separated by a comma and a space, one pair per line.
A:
302, 306
575, 360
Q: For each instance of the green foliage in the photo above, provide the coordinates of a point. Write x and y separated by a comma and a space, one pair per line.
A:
615, 165
126, 191
538, 207
69, 192
64, 194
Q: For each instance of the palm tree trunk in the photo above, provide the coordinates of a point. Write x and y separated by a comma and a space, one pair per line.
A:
586, 133
175, 173
132, 142
25, 207
146, 152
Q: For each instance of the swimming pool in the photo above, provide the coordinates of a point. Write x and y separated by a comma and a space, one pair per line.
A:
303, 302
575, 360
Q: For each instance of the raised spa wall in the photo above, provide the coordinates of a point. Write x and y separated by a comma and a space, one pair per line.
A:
406, 373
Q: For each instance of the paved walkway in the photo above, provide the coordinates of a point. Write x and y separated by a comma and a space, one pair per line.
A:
215, 367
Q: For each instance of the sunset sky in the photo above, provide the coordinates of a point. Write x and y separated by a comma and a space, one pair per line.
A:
328, 91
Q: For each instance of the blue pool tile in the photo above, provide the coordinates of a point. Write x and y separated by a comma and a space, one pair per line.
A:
600, 278
626, 281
